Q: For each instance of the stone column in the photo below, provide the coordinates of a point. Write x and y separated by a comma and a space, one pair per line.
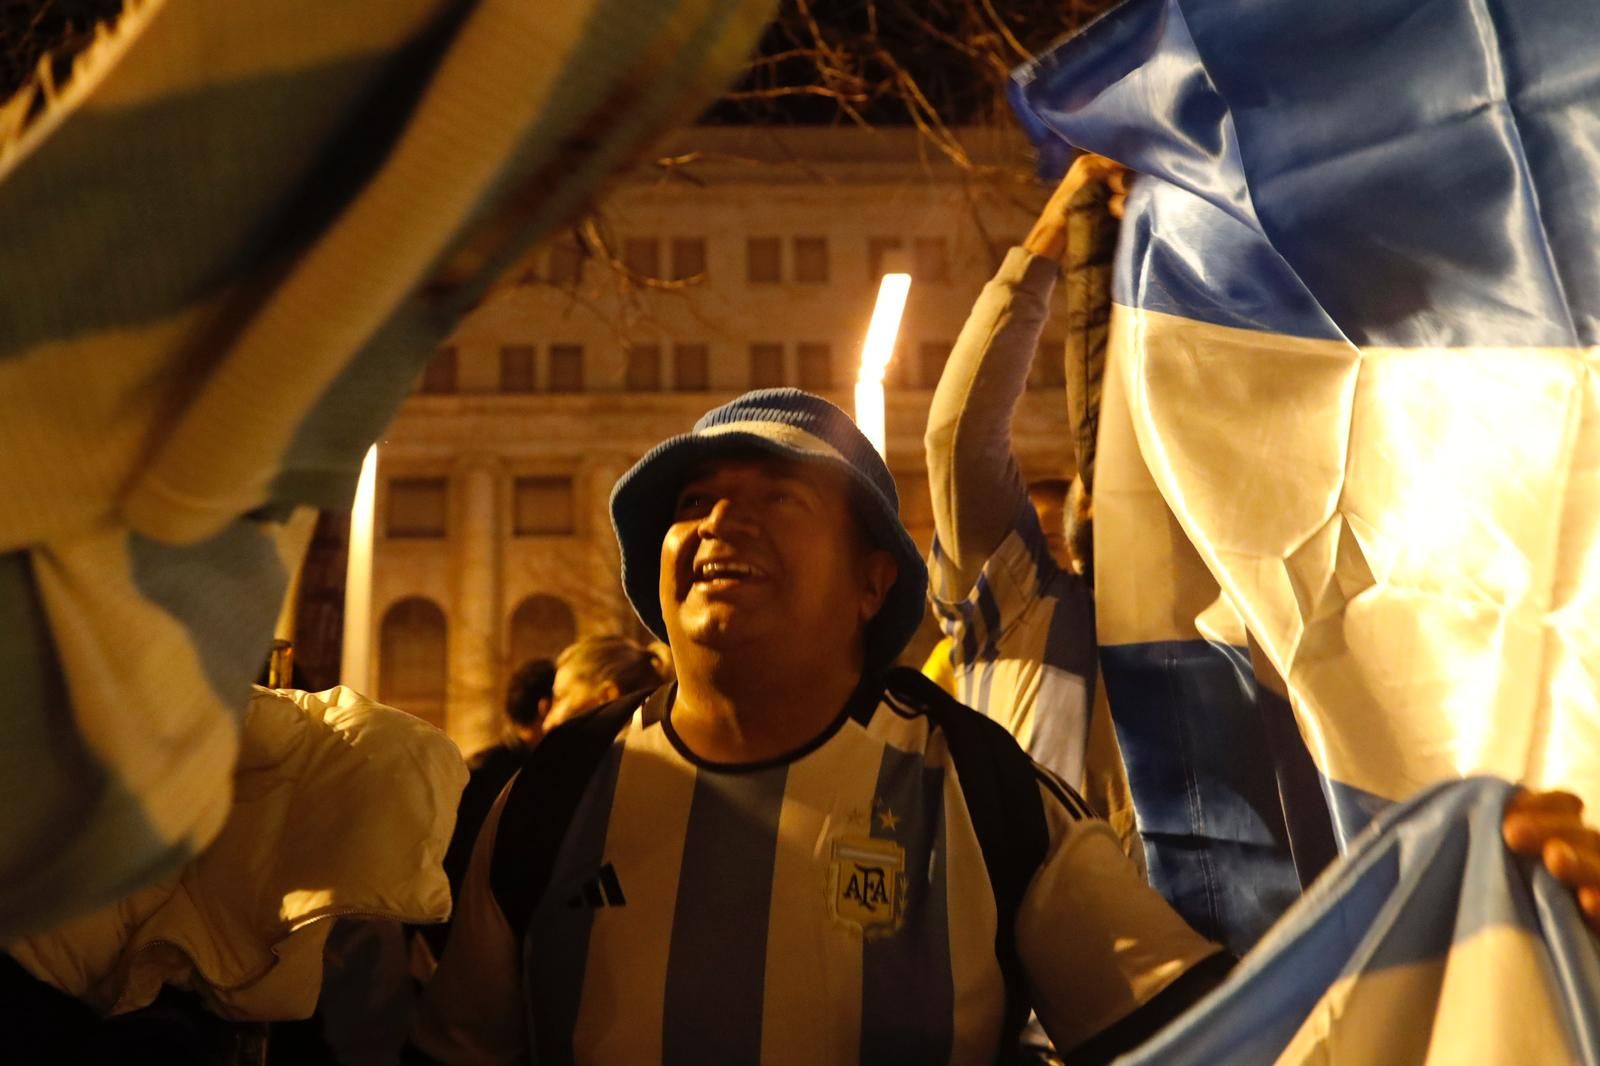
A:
612, 602
472, 716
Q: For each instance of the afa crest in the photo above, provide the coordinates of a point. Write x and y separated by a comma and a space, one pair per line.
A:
868, 884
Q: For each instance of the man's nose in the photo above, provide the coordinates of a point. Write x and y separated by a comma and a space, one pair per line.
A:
727, 517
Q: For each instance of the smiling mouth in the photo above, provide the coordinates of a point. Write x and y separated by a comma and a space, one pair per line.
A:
723, 573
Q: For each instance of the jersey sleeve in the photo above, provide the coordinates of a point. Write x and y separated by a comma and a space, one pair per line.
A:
1096, 940
1022, 645
471, 1013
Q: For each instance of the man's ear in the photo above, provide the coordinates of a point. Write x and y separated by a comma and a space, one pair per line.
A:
609, 691
878, 574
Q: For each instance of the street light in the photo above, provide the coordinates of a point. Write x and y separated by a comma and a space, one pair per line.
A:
355, 660
876, 351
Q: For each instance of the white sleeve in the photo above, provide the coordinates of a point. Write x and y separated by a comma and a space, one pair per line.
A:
973, 479
1096, 940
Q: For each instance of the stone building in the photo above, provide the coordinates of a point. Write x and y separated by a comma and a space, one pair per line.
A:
752, 261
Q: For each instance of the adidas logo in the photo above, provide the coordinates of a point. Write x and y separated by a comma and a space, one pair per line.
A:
602, 890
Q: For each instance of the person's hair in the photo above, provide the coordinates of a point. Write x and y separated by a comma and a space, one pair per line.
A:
629, 665
534, 681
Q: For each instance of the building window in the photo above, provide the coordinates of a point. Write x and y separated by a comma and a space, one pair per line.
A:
931, 356
691, 368
644, 368
878, 250
542, 507
440, 376
816, 366
541, 627
566, 368
688, 258
1049, 366
412, 658
566, 263
763, 260
811, 260
416, 507
766, 366
642, 255
930, 258
516, 368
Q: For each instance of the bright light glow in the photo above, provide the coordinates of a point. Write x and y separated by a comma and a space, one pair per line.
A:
869, 413
355, 662
876, 351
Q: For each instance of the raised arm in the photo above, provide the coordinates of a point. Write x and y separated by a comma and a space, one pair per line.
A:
973, 476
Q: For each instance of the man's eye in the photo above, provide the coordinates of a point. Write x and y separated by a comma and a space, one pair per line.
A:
692, 503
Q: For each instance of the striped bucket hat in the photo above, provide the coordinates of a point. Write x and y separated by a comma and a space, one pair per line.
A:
788, 423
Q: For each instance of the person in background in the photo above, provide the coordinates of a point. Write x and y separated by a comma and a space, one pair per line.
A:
597, 670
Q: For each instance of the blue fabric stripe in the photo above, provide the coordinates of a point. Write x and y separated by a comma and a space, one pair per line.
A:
1434, 873
556, 946
1295, 143
907, 988
225, 591
210, 188
74, 838
716, 965
1351, 808
1204, 789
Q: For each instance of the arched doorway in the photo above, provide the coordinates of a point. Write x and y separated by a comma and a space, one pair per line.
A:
540, 627
413, 658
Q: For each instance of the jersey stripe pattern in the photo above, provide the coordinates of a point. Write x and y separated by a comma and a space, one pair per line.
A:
831, 906
1022, 645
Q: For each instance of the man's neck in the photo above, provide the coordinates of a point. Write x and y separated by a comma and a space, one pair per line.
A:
738, 709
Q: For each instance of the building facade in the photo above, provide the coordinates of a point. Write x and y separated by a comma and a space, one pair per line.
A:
751, 259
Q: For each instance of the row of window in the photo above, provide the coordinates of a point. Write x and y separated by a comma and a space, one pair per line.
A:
687, 367
418, 507
768, 260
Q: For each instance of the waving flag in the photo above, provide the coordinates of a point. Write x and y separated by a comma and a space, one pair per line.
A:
1430, 943
1357, 308
215, 242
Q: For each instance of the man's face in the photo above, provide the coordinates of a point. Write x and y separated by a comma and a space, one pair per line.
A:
764, 549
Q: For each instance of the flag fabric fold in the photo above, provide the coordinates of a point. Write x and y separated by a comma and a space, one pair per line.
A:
1355, 320
1430, 943
232, 240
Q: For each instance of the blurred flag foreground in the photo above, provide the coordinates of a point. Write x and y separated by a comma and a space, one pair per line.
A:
227, 245
1431, 943
1357, 303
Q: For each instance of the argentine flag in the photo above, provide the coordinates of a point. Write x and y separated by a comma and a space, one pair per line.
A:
1357, 301
1430, 943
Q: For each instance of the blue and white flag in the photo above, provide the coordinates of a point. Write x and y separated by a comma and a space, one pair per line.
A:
1430, 943
1357, 305
228, 244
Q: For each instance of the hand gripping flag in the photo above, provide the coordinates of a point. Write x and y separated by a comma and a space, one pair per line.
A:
1355, 326
1429, 943
227, 247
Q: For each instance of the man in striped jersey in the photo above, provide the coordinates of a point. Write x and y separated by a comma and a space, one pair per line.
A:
794, 855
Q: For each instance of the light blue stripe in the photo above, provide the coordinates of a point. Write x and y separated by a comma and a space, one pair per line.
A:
224, 591
74, 838
126, 216
907, 988
716, 966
